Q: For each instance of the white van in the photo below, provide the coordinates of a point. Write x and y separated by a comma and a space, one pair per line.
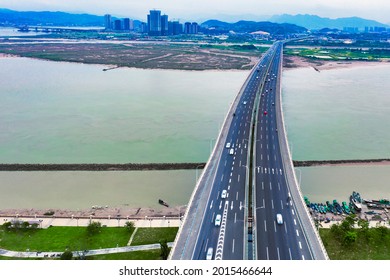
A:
231, 151
279, 219
218, 220
209, 255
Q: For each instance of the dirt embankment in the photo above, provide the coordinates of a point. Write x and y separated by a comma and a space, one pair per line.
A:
101, 167
341, 162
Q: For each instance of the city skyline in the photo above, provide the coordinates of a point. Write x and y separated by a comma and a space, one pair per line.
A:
201, 9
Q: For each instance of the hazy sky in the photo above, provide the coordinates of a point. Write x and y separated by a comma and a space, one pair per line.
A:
197, 9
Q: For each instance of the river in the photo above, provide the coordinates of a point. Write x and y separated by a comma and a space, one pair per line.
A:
56, 112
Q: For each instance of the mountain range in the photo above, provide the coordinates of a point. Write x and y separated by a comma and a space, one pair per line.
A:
316, 22
252, 26
263, 23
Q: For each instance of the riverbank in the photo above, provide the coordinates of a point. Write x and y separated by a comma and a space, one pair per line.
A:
292, 62
97, 212
145, 55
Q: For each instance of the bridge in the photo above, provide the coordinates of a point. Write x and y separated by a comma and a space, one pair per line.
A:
247, 203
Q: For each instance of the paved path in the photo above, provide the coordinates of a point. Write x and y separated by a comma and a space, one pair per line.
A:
83, 222
16, 254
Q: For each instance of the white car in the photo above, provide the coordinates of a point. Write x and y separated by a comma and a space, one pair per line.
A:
218, 220
223, 194
228, 145
231, 151
209, 255
279, 219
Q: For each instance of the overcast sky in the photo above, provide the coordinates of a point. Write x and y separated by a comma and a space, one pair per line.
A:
200, 9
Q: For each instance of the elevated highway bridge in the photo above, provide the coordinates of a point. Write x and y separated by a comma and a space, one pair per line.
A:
247, 203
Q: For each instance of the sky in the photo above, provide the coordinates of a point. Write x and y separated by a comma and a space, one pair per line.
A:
206, 9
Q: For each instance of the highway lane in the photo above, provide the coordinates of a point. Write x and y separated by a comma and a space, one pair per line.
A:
228, 240
254, 180
274, 241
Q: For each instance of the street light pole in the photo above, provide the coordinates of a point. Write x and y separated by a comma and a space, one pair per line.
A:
300, 175
196, 174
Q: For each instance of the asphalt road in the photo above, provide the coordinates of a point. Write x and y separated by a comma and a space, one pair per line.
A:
228, 240
248, 164
272, 195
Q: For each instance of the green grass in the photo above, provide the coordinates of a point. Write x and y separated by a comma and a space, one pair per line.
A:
138, 255
57, 239
145, 236
371, 245
60, 238
340, 53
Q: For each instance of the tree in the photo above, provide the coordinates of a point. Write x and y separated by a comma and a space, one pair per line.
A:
164, 249
348, 223
67, 255
94, 228
349, 238
129, 226
7, 226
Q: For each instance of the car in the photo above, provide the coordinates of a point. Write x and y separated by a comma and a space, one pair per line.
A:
231, 151
273, 104
209, 255
227, 145
279, 219
223, 194
265, 113
244, 102
262, 94
217, 221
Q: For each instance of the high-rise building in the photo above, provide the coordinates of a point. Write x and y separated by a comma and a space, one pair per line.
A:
107, 22
126, 24
194, 28
144, 27
191, 28
131, 25
118, 24
187, 28
164, 25
154, 23
177, 28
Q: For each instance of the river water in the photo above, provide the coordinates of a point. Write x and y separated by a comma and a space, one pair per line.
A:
73, 113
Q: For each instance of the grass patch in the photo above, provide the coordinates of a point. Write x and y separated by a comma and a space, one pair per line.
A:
365, 244
60, 238
145, 236
138, 255
340, 54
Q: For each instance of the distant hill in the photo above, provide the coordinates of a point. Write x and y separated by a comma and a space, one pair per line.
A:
316, 22
49, 18
252, 26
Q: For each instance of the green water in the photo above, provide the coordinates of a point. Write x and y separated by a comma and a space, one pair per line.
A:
73, 113
338, 114
80, 190
324, 183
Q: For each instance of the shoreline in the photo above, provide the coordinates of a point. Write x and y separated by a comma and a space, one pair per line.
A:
96, 212
291, 62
